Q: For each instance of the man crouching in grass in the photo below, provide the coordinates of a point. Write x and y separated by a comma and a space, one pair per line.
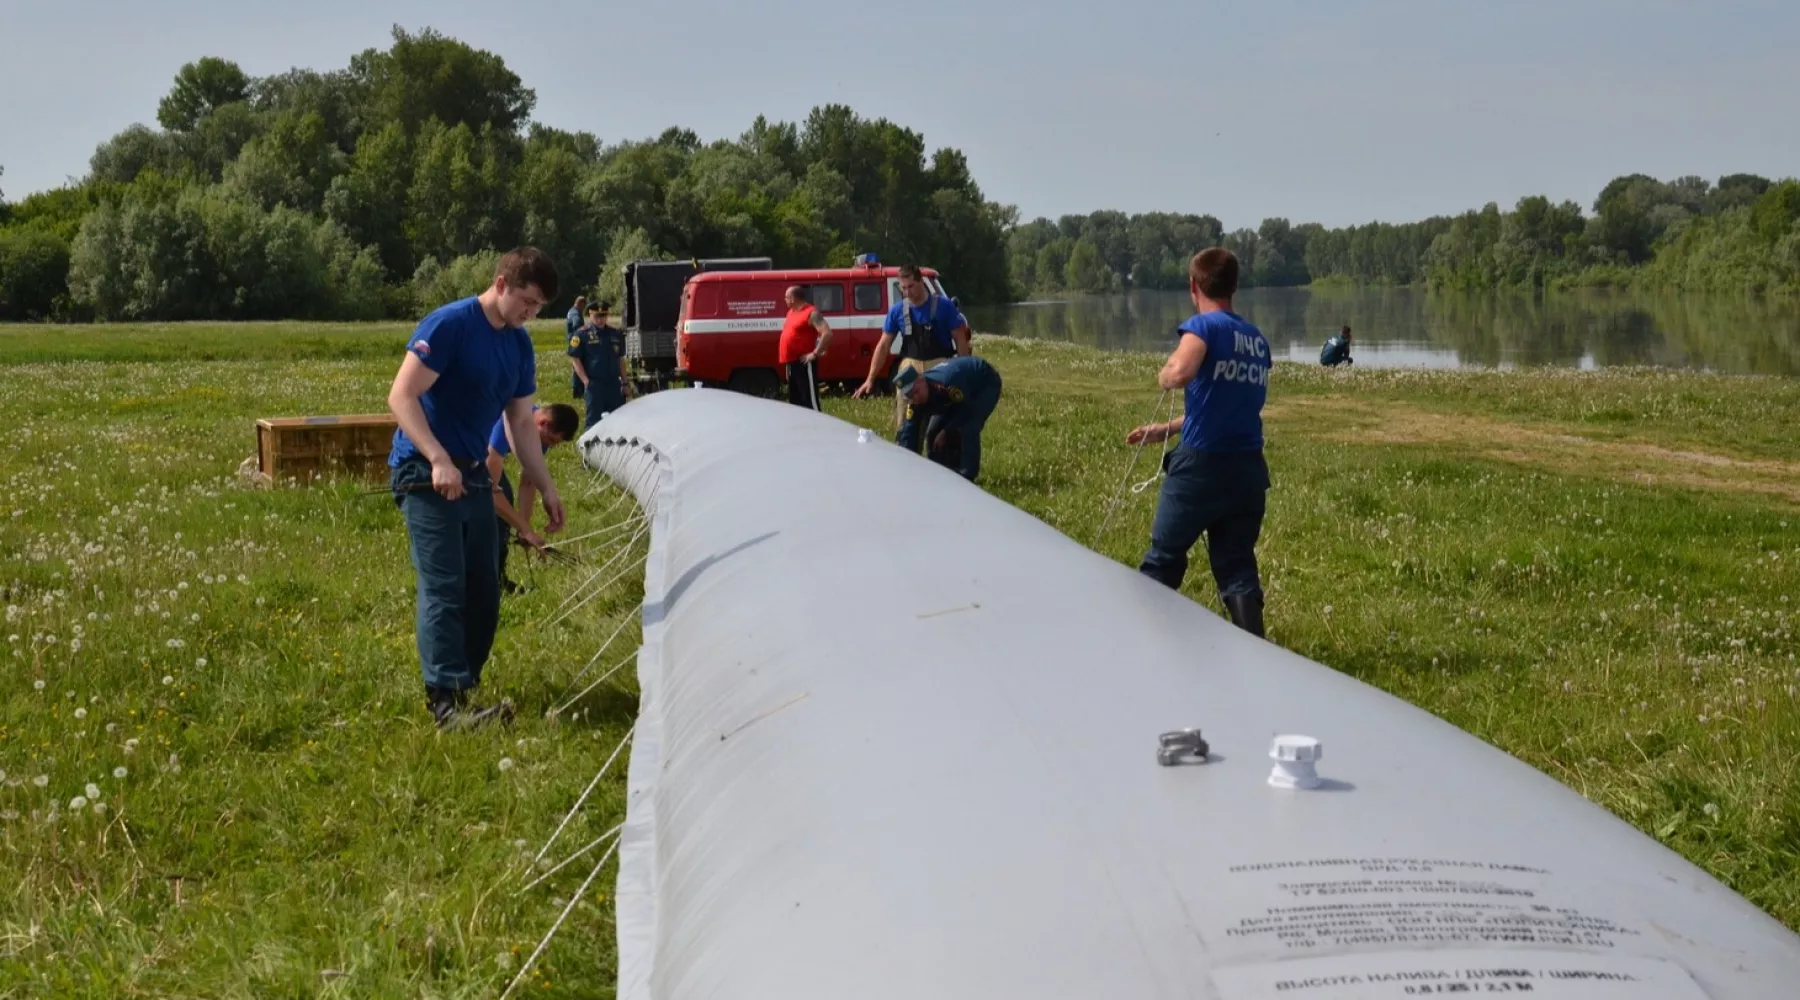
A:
467, 363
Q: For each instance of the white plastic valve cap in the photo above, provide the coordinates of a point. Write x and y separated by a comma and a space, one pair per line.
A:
1294, 757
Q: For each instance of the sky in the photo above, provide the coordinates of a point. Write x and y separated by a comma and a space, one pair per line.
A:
1339, 113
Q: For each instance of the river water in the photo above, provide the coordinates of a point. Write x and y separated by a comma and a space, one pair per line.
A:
1416, 328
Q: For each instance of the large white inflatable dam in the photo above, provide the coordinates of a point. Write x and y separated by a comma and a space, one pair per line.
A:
899, 739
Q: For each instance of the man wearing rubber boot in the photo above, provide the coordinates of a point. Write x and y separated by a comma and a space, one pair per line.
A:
953, 402
1215, 480
922, 328
465, 365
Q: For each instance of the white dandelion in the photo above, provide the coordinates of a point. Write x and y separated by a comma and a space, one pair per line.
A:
120, 773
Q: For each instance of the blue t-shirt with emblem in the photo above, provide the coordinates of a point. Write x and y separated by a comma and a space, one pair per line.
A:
497, 437
932, 324
1225, 400
480, 369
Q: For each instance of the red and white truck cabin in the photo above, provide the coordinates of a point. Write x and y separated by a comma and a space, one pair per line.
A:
730, 325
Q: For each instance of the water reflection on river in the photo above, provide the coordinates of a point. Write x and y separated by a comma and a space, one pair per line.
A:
1415, 328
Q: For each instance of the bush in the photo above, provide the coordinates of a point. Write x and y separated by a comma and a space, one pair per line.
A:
34, 272
437, 284
207, 255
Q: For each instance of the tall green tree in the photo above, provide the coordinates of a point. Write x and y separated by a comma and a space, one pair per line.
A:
201, 87
428, 76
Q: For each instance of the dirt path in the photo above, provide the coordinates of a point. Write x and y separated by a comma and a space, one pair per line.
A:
1363, 422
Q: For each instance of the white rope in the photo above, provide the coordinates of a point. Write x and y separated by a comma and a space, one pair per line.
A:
1125, 481
631, 521
586, 690
584, 795
597, 482
609, 641
564, 863
559, 920
603, 588
623, 551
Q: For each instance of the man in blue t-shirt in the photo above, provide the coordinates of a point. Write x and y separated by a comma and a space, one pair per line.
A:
922, 328
956, 399
465, 365
555, 424
1215, 480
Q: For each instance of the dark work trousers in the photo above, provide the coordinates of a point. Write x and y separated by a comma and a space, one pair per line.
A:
504, 532
803, 385
1220, 495
455, 554
964, 425
911, 433
603, 396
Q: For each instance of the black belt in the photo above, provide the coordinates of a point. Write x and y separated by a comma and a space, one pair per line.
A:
460, 462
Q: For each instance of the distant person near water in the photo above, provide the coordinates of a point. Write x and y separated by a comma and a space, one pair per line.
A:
1337, 350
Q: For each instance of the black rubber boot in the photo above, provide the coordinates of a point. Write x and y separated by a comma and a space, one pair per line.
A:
1246, 612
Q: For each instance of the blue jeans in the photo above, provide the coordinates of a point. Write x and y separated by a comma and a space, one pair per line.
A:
1222, 496
455, 552
967, 424
603, 396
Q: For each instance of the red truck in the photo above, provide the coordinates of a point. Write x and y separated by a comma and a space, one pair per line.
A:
730, 322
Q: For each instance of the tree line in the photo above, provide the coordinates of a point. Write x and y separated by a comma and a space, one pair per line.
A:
381, 189
1741, 234
389, 186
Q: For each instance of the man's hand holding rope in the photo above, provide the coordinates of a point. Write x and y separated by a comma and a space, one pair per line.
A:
1153, 433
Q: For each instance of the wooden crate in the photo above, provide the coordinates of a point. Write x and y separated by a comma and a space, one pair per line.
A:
308, 447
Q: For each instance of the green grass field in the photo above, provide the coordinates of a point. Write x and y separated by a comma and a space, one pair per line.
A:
1595, 572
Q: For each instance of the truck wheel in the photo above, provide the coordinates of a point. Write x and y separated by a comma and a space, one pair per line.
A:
755, 382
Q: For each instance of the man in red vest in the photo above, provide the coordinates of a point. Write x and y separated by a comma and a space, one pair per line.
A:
804, 337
